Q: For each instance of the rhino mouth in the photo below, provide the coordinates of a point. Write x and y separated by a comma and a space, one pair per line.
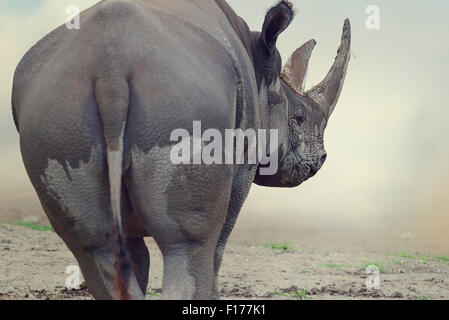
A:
296, 175
302, 170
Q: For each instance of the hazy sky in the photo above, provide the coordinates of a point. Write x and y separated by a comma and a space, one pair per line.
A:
387, 140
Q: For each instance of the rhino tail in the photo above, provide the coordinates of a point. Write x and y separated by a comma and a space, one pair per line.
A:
113, 103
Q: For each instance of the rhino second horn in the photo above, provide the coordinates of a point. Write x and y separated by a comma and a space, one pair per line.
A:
326, 93
295, 70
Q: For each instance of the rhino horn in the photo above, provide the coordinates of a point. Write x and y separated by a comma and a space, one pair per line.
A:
295, 70
326, 93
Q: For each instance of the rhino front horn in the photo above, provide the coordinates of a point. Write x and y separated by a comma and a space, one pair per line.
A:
326, 93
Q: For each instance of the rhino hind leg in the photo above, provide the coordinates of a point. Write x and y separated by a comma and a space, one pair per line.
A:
183, 208
76, 201
140, 259
188, 271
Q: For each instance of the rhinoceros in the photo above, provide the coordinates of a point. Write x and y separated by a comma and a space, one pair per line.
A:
95, 108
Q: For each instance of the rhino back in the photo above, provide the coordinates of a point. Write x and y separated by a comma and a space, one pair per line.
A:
182, 59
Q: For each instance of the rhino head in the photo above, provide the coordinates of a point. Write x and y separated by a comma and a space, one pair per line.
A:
300, 117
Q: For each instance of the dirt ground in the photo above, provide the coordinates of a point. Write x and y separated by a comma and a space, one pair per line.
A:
285, 256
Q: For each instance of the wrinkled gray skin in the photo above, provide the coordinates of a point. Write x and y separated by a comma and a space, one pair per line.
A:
95, 108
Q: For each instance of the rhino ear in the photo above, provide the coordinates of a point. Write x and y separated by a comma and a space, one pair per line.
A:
295, 70
276, 21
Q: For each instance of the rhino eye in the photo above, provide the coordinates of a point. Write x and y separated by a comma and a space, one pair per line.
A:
300, 119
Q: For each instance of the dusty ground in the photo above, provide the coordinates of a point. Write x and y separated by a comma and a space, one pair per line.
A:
323, 260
